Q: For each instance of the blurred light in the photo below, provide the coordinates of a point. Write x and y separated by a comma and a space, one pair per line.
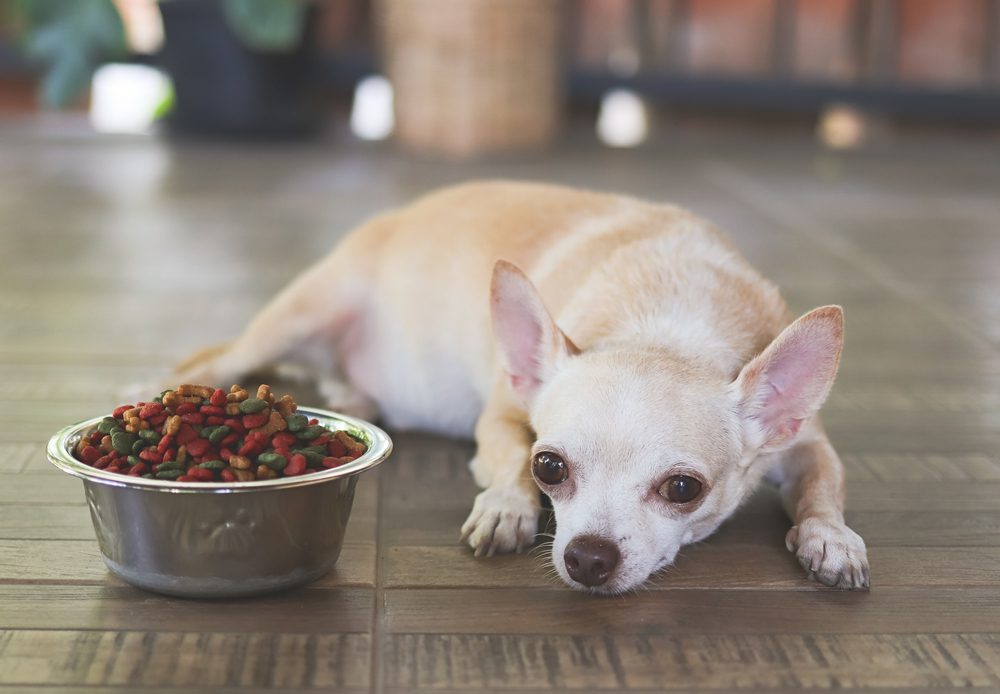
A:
622, 120
842, 127
371, 114
125, 98
143, 24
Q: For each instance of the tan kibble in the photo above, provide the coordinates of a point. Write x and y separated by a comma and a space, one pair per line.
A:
171, 399
106, 444
265, 473
264, 393
240, 462
233, 408
172, 425
198, 391
238, 395
354, 447
129, 415
275, 423
182, 455
244, 475
286, 406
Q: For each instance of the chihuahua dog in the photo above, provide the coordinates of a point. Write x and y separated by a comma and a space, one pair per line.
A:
619, 355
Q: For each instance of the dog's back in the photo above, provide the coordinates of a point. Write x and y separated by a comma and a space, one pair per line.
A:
609, 267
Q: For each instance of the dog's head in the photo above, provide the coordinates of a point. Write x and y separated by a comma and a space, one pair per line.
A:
642, 452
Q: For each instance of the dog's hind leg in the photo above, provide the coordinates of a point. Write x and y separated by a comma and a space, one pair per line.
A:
310, 314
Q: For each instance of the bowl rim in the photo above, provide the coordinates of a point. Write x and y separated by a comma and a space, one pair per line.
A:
379, 447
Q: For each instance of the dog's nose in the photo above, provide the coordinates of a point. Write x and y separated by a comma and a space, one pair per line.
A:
591, 560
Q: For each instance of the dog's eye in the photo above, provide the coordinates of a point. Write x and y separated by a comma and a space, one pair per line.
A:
680, 489
549, 468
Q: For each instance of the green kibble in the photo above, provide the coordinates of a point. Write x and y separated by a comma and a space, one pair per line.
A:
122, 441
170, 474
150, 436
148, 475
219, 433
313, 458
138, 446
310, 433
170, 465
213, 465
275, 461
297, 422
108, 424
252, 405
313, 449
133, 460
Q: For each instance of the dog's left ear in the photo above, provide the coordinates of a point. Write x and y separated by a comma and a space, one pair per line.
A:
531, 343
787, 383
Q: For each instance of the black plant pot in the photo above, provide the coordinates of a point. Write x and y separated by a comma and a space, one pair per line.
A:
223, 88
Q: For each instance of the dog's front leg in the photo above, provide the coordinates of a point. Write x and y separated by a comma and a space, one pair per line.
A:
504, 517
812, 488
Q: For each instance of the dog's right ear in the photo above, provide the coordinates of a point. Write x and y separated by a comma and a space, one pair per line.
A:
530, 342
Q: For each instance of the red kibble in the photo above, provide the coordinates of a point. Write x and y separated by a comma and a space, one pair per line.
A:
296, 466
186, 435
201, 474
151, 455
252, 421
235, 424
150, 409
283, 439
198, 447
251, 433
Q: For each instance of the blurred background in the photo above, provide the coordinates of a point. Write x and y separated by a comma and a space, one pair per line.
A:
461, 78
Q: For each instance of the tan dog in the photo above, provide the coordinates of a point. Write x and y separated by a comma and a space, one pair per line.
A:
643, 377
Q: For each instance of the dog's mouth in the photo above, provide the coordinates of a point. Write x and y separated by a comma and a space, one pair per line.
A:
621, 583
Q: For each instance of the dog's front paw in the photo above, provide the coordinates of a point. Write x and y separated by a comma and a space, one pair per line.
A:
831, 553
503, 519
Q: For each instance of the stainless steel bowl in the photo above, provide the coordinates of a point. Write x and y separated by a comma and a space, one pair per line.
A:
214, 539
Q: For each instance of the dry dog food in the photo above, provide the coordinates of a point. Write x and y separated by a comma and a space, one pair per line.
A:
203, 434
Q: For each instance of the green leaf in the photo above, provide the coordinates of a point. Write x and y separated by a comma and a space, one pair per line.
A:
267, 25
71, 37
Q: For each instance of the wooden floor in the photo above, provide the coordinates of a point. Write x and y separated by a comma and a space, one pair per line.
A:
118, 256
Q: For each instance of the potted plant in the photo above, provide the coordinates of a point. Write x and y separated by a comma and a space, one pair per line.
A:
239, 67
